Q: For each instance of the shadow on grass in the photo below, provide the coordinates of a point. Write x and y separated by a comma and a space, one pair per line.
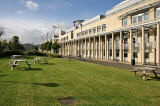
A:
27, 69
34, 69
47, 64
3, 75
41, 84
150, 78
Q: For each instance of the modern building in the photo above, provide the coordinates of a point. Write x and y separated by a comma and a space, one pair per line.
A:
131, 30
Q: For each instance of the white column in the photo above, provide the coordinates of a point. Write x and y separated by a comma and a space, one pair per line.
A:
94, 48
89, 51
85, 47
143, 47
105, 47
99, 47
158, 44
112, 46
131, 45
121, 46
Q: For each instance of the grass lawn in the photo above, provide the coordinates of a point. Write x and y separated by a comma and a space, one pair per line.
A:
89, 84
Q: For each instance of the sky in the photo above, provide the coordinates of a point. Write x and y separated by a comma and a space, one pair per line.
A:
31, 20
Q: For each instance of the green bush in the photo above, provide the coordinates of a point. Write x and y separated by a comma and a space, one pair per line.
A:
7, 53
54, 56
35, 53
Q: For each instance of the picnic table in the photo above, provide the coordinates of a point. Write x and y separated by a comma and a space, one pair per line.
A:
37, 60
22, 60
16, 56
144, 71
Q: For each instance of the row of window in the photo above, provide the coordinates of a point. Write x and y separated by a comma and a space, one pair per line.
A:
141, 17
136, 18
65, 38
92, 30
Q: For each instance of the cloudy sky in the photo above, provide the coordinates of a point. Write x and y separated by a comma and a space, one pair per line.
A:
31, 20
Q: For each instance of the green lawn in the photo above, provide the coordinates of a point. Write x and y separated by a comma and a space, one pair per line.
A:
89, 84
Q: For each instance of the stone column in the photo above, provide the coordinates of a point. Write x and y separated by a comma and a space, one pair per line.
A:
68, 49
94, 39
64, 49
85, 48
143, 46
78, 47
158, 44
105, 47
131, 45
96, 49
89, 51
102, 48
82, 48
112, 46
121, 46
99, 47
75, 49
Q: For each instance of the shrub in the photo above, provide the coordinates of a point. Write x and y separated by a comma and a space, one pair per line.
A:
10, 53
35, 53
54, 56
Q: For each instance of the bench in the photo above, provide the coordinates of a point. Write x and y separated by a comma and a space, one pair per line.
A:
134, 71
29, 65
145, 71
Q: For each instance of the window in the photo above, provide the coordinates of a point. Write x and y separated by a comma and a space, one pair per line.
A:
94, 30
146, 15
86, 32
158, 12
83, 33
72, 35
134, 19
124, 22
140, 17
104, 27
98, 28
90, 31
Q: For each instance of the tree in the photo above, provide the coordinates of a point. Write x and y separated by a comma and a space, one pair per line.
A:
49, 46
16, 46
55, 47
1, 32
4, 44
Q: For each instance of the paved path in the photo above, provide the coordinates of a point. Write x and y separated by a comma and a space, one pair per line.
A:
106, 63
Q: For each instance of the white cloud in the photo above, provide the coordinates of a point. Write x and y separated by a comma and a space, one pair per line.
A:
20, 12
32, 5
51, 7
22, 1
29, 31
68, 4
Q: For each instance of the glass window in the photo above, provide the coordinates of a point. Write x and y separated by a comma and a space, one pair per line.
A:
90, 31
86, 32
98, 28
134, 19
158, 12
104, 27
140, 17
83, 33
94, 30
146, 16
124, 21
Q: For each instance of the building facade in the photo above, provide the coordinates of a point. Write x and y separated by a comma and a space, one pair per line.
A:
131, 30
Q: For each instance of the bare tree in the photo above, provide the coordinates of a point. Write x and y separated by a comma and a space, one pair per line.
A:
1, 31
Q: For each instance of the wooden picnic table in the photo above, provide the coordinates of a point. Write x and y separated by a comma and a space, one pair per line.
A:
37, 60
23, 60
145, 70
16, 56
